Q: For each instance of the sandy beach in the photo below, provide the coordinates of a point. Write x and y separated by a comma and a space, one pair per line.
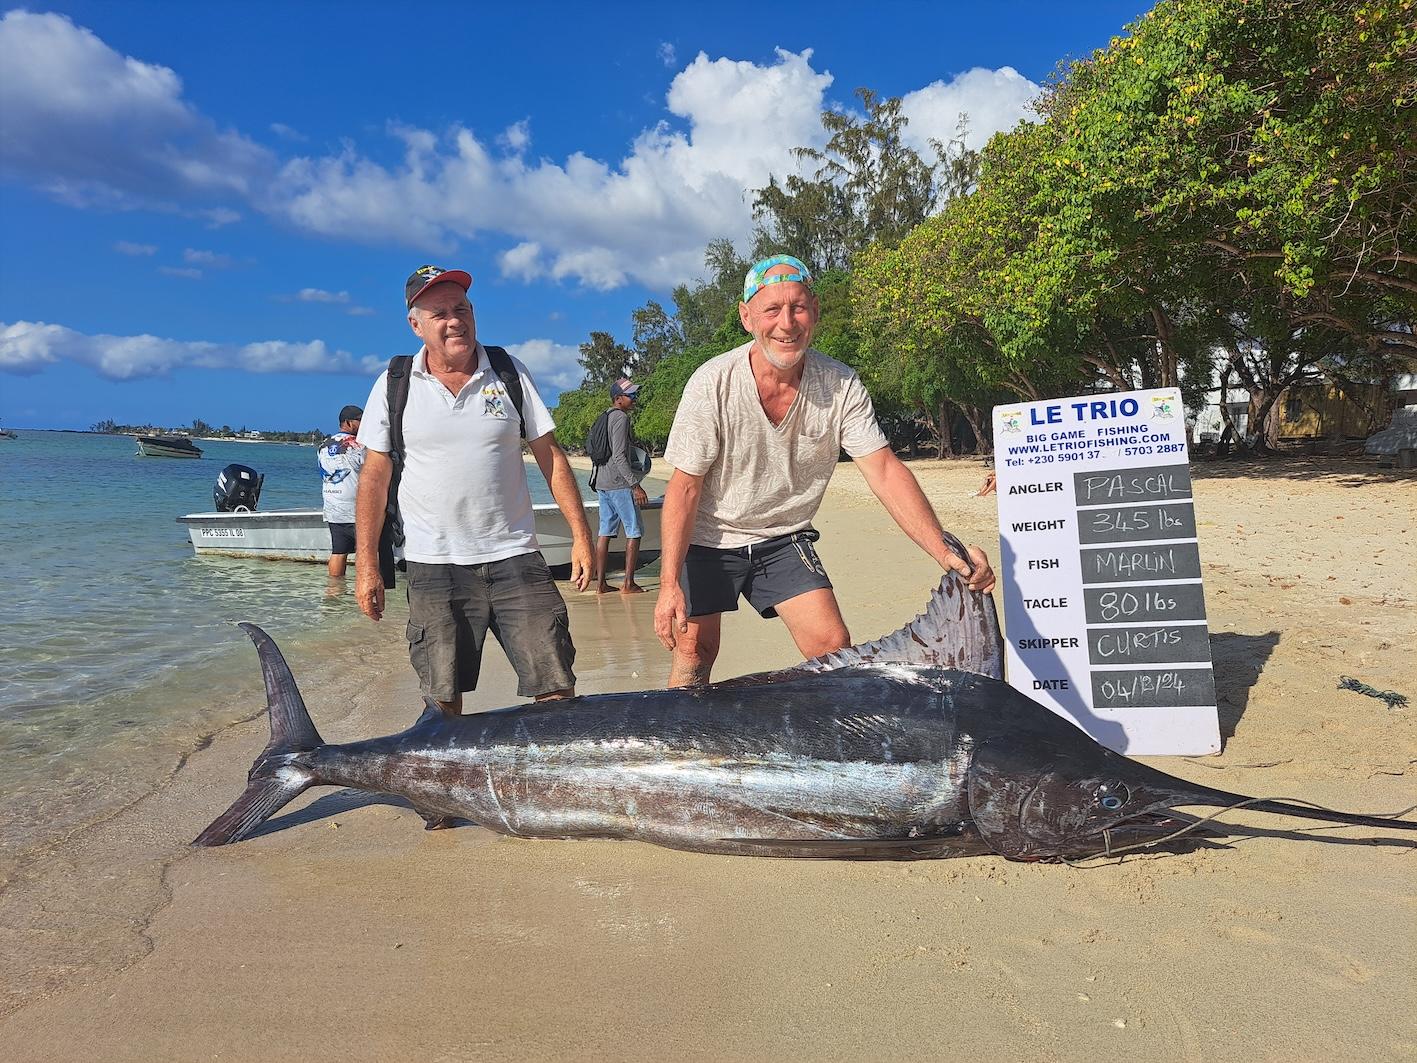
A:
345, 932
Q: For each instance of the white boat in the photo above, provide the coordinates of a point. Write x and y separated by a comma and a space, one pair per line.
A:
301, 534
167, 447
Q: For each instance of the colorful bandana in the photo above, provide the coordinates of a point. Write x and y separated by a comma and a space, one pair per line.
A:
756, 279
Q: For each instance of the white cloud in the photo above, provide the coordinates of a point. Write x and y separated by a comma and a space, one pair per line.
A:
552, 365
285, 132
219, 216
522, 261
319, 295
27, 347
666, 54
206, 258
647, 217
993, 100
189, 272
124, 247
516, 138
97, 128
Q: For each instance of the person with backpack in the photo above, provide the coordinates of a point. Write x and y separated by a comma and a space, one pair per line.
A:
616, 479
449, 422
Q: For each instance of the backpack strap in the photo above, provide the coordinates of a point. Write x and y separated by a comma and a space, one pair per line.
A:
511, 379
396, 392
400, 366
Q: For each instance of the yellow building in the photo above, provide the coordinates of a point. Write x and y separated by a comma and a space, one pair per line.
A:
1326, 411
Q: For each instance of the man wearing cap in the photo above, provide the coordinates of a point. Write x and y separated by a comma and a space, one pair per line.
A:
470, 545
617, 484
754, 442
340, 457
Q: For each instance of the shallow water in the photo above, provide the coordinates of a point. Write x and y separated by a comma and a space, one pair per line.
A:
119, 646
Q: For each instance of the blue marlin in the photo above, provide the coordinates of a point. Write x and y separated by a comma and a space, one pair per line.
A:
908, 747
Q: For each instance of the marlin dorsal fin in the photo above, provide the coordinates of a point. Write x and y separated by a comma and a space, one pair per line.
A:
958, 629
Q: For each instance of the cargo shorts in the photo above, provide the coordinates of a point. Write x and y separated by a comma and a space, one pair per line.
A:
452, 607
765, 573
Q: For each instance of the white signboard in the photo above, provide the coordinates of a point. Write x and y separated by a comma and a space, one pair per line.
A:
1101, 572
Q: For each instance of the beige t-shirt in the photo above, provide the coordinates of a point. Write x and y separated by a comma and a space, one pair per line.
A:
760, 480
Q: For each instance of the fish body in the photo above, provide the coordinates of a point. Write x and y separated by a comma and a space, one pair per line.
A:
871, 752
893, 749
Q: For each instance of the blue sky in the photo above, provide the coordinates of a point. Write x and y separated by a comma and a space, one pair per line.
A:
209, 210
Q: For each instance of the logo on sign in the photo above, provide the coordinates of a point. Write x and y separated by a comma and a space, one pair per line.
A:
1012, 421
1163, 408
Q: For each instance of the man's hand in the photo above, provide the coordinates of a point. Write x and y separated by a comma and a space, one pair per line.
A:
671, 614
638, 494
581, 563
369, 591
983, 578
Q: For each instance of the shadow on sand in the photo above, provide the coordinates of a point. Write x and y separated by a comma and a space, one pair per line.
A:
1238, 660
335, 804
1357, 471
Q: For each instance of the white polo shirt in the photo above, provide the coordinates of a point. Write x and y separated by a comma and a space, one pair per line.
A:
463, 495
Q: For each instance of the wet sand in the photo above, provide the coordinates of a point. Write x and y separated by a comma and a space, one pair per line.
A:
347, 932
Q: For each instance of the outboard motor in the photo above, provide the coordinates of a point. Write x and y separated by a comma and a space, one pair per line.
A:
237, 488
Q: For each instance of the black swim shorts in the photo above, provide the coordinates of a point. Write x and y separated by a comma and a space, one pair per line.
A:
341, 538
765, 573
452, 607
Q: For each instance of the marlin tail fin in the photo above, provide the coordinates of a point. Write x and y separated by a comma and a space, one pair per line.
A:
275, 778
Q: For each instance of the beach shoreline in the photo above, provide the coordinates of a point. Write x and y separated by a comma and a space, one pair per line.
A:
347, 932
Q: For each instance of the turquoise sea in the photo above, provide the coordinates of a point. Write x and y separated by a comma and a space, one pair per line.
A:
118, 646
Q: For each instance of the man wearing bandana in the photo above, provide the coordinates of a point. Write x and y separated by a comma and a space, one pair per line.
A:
754, 443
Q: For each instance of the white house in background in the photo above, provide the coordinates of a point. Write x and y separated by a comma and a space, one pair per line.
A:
1402, 432
1208, 424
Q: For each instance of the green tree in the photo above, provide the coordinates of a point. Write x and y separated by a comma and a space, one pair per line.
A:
655, 335
703, 310
603, 360
867, 187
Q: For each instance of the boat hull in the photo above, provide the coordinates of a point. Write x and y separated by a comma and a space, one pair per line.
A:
302, 535
155, 447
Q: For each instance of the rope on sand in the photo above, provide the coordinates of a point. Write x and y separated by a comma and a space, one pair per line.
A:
1392, 698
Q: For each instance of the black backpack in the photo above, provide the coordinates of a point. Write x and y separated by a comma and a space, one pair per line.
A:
397, 394
597, 443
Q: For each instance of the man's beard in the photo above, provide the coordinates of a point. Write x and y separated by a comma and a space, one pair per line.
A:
776, 361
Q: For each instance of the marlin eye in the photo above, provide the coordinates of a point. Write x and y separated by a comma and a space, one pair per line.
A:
1112, 796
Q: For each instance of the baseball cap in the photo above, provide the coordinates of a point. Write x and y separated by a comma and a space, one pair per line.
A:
350, 413
624, 386
424, 277
757, 278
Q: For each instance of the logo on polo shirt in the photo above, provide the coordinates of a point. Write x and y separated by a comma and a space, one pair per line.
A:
493, 401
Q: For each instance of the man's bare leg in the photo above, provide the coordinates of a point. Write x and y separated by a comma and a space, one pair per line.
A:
814, 621
337, 565
602, 564
632, 557
695, 650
